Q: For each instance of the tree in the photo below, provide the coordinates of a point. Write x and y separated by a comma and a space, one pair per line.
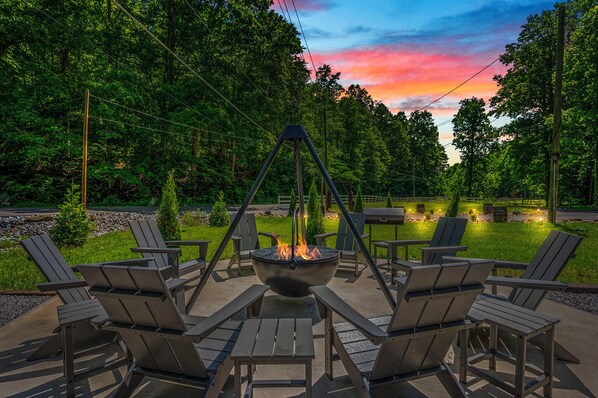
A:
292, 203
453, 209
219, 215
315, 221
71, 227
168, 213
473, 135
428, 157
358, 208
388, 200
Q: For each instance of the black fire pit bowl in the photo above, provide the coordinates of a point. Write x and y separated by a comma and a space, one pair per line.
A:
294, 278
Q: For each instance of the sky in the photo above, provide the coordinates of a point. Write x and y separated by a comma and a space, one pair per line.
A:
407, 53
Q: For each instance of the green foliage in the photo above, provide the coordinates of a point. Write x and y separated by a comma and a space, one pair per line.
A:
358, 208
168, 212
453, 208
292, 203
473, 217
428, 216
72, 227
315, 221
191, 218
388, 200
219, 215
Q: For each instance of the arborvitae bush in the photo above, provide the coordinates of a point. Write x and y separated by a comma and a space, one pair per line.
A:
389, 200
72, 227
358, 208
219, 216
292, 203
315, 221
168, 222
453, 208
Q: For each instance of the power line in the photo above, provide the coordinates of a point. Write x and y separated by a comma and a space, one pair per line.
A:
304, 39
466, 81
178, 58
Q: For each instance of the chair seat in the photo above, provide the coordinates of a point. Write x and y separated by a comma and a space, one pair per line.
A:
347, 254
361, 350
192, 265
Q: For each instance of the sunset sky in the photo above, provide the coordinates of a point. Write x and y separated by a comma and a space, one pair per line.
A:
408, 53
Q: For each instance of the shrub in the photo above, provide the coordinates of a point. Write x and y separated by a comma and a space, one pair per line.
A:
193, 218
292, 203
428, 216
72, 227
453, 208
473, 217
432, 211
389, 201
315, 221
358, 208
219, 216
168, 222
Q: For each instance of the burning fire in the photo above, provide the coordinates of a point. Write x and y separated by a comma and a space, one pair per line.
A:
283, 251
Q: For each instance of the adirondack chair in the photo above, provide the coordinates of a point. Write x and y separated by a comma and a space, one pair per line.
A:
538, 277
445, 241
70, 289
246, 239
345, 242
433, 302
166, 344
166, 257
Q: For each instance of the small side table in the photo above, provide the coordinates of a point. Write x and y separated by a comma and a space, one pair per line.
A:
79, 315
274, 342
523, 324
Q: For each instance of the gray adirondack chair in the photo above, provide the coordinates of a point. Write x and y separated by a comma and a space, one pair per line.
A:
246, 239
446, 241
166, 344
350, 254
70, 289
165, 255
433, 302
539, 276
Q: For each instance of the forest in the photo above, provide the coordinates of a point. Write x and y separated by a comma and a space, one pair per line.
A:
213, 114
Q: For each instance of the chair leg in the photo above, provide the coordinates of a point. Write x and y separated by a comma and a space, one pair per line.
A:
128, 385
232, 261
450, 383
51, 347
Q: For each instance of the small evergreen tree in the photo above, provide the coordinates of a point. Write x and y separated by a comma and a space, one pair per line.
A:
168, 222
72, 227
315, 221
219, 215
453, 208
292, 203
358, 208
389, 201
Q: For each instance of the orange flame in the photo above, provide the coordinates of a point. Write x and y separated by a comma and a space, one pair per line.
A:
303, 251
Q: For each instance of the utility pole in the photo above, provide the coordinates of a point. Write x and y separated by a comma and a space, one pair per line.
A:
84, 166
557, 126
322, 187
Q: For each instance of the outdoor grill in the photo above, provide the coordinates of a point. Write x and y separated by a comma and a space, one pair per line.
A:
293, 277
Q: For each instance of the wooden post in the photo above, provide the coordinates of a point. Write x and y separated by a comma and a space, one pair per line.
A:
84, 166
557, 127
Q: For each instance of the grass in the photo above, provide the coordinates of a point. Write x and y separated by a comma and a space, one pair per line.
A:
506, 241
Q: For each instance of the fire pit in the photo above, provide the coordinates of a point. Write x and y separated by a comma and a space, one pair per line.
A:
292, 276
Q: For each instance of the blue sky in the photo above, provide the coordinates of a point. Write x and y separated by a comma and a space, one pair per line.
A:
408, 53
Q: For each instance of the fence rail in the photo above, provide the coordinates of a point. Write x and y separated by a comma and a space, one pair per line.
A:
284, 200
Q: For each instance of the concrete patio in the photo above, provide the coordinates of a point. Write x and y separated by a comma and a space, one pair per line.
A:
43, 379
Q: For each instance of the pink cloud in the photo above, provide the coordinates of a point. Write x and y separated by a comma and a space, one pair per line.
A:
409, 78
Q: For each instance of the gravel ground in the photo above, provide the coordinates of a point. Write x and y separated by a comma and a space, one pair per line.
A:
13, 306
584, 302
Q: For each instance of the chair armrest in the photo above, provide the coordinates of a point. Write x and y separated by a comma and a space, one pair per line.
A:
273, 237
365, 236
158, 250
244, 300
236, 243
408, 242
497, 263
320, 238
526, 283
60, 285
202, 244
327, 297
175, 283
130, 262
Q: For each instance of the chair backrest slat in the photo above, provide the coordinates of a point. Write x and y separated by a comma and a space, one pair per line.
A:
129, 296
53, 266
247, 231
147, 234
449, 232
547, 264
345, 239
423, 352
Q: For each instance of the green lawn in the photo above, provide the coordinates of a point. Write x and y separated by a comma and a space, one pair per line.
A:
508, 241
